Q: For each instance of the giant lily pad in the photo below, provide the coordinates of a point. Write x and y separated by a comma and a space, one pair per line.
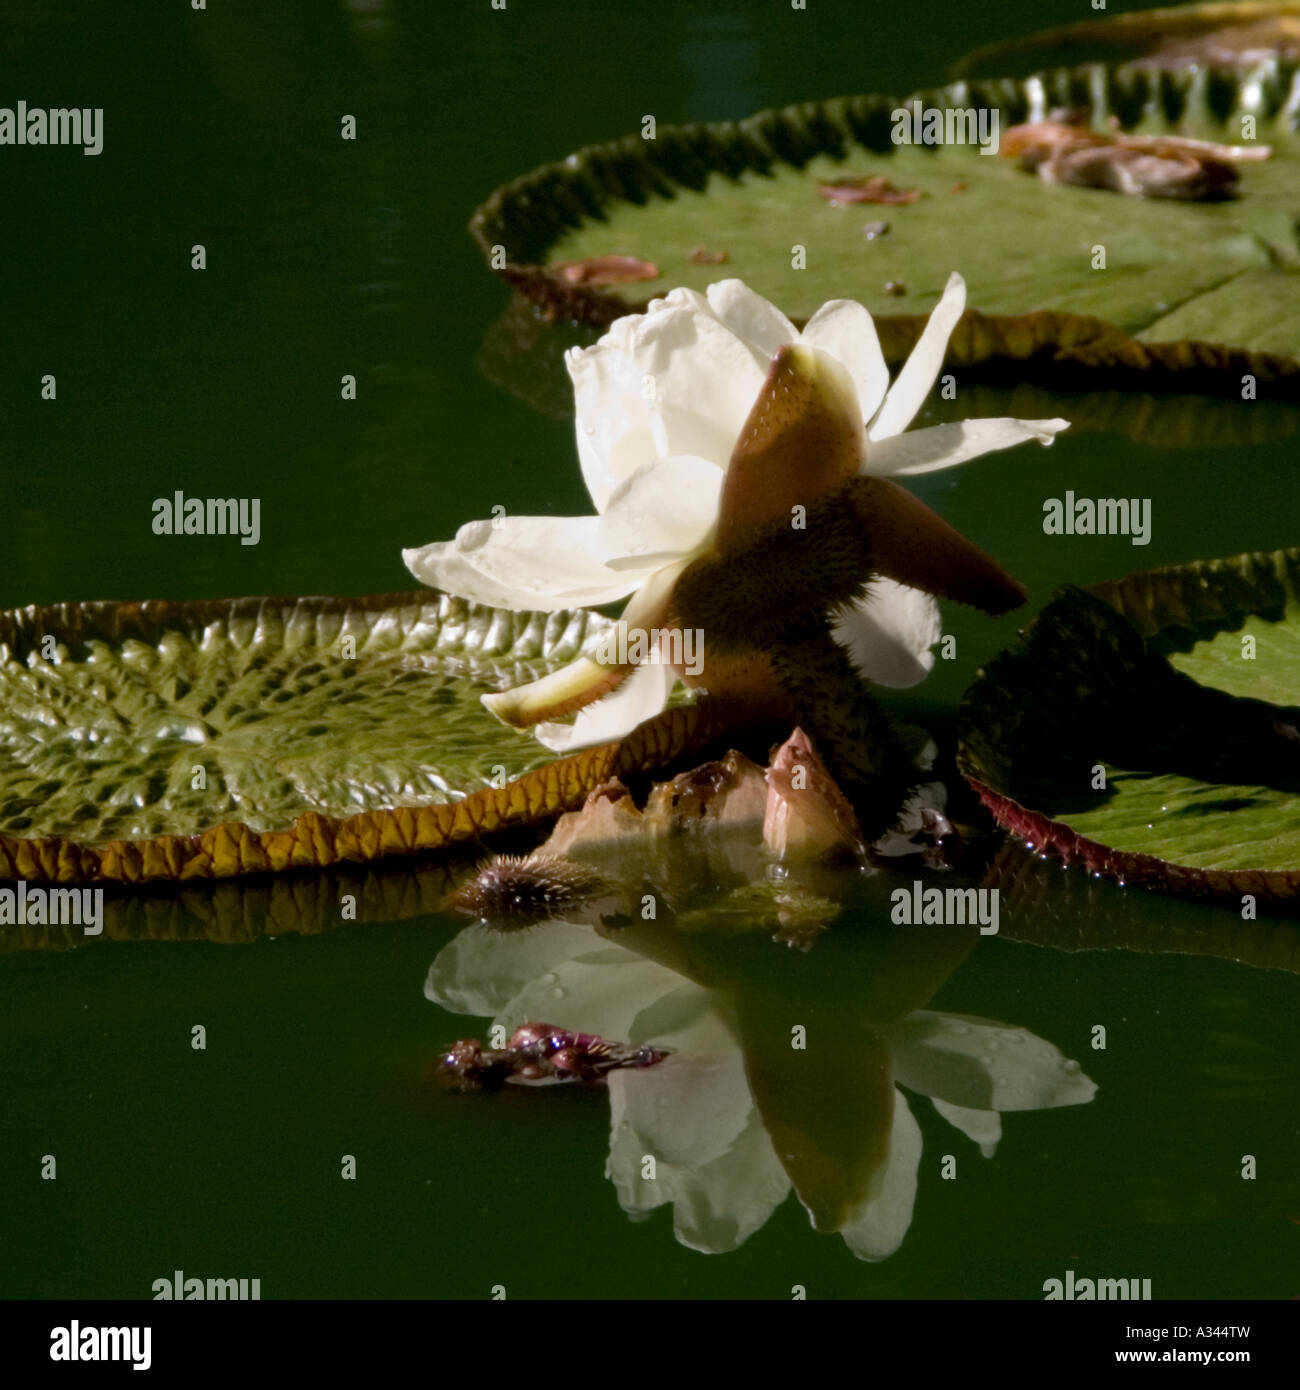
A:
1193, 295
1149, 728
203, 740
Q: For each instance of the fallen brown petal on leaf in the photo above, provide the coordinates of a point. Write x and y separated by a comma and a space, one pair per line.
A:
1148, 166
703, 256
1201, 149
606, 270
872, 188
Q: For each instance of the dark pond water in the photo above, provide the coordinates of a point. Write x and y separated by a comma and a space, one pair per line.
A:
325, 258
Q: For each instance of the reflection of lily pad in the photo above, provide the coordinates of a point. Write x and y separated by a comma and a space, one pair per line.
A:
1178, 278
1179, 686
525, 356
237, 912
1042, 906
173, 740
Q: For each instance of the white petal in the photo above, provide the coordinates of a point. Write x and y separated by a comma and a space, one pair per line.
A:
482, 967
913, 382
845, 330
713, 1160
689, 1019
942, 446
542, 562
670, 381
703, 381
983, 1127
650, 606
442, 566
889, 633
681, 297
756, 321
710, 1108
664, 511
877, 1227
596, 994
640, 697
982, 1065
612, 415
611, 398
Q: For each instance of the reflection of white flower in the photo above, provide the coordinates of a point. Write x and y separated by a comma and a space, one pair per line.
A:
661, 401
694, 1112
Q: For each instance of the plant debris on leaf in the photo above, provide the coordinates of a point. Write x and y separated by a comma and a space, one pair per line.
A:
1140, 166
870, 188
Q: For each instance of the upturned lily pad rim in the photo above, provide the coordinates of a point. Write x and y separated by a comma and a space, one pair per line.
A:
527, 214
1173, 602
1118, 37
115, 620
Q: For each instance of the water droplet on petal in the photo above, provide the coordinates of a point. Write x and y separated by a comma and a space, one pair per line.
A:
557, 992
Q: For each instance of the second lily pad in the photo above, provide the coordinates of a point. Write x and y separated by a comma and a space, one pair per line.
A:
1149, 728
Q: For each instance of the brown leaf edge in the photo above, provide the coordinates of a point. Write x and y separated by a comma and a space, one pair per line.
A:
526, 215
1170, 603
315, 841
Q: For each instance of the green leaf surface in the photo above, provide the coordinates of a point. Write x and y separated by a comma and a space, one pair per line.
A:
1021, 244
1223, 272
1217, 826
1183, 685
125, 722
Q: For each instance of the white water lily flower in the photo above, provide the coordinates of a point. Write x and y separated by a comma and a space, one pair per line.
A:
661, 400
